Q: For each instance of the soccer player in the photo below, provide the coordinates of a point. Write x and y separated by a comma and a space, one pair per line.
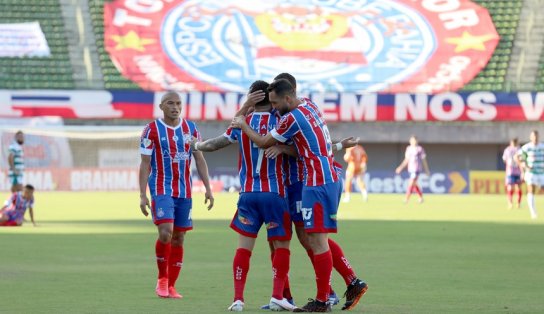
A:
16, 162
356, 158
302, 122
513, 172
13, 212
531, 160
416, 160
262, 200
165, 165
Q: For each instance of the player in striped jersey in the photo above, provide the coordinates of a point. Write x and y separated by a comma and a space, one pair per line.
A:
262, 200
513, 172
415, 160
166, 161
16, 162
531, 160
302, 122
13, 211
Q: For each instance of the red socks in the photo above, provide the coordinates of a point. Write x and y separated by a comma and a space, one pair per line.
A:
341, 263
510, 194
418, 191
174, 264
323, 270
519, 195
240, 268
162, 252
280, 268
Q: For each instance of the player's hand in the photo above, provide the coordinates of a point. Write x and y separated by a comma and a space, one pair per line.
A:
208, 197
273, 151
253, 98
398, 170
237, 122
349, 142
193, 142
144, 205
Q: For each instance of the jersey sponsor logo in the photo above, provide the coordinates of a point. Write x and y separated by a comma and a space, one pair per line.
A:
272, 225
181, 156
373, 45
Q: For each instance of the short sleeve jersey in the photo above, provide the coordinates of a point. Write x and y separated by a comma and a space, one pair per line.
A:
17, 205
170, 151
18, 156
258, 173
415, 156
308, 130
533, 156
509, 158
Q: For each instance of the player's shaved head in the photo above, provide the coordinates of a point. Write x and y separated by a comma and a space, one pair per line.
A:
262, 86
282, 87
169, 95
287, 77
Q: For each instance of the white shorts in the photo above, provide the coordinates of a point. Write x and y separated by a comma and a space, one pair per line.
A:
534, 179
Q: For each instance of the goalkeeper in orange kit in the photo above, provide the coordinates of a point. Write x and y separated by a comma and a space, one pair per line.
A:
356, 158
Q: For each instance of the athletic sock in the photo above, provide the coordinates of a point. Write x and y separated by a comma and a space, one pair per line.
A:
418, 191
341, 263
510, 194
519, 195
531, 203
174, 264
409, 191
162, 252
280, 268
240, 268
323, 270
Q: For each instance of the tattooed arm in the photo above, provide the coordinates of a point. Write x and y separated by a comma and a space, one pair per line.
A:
212, 144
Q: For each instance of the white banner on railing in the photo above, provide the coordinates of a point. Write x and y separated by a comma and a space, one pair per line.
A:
23, 40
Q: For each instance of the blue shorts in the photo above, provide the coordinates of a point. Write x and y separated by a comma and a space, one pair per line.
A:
294, 197
414, 174
319, 207
513, 179
167, 209
256, 208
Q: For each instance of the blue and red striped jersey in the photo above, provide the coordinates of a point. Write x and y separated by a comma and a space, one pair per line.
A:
17, 205
258, 173
294, 169
170, 152
308, 130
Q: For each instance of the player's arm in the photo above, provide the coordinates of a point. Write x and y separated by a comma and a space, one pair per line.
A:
211, 144
348, 142
145, 169
273, 151
521, 159
11, 161
31, 213
261, 141
249, 104
426, 166
402, 165
202, 169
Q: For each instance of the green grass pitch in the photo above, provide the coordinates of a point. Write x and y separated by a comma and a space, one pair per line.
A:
94, 253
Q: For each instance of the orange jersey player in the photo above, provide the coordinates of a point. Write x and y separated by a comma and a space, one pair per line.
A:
356, 158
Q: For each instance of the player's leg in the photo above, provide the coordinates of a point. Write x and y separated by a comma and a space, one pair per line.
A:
182, 223
509, 194
246, 222
162, 211
362, 186
347, 183
531, 179
519, 192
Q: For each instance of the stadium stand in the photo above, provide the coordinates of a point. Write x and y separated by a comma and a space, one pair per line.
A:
54, 72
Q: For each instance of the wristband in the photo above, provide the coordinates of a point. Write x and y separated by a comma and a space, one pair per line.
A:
339, 146
196, 146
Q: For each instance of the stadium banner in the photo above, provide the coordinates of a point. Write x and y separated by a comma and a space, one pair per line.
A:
23, 40
397, 46
490, 182
40, 150
89, 179
337, 107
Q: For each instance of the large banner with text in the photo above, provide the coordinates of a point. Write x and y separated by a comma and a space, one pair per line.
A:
337, 107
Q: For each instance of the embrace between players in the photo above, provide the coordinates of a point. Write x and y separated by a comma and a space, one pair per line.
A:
287, 175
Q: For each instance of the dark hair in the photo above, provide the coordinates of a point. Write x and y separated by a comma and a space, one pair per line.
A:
30, 187
291, 79
535, 131
514, 140
262, 86
281, 87
18, 132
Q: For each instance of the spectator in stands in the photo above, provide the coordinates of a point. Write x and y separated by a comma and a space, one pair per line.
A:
14, 209
16, 162
513, 172
531, 160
